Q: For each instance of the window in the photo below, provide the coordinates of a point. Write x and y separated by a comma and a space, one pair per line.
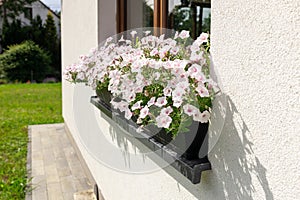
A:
135, 14
192, 15
28, 13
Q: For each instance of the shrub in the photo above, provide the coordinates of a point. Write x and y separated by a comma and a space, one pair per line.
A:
25, 61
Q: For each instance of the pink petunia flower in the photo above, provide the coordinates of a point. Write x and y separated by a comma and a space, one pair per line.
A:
133, 33
177, 103
166, 111
202, 90
202, 117
184, 34
178, 93
189, 109
128, 114
154, 52
151, 101
144, 112
167, 91
163, 121
137, 105
194, 69
161, 101
203, 37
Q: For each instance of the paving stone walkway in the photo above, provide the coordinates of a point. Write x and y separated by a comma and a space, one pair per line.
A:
54, 165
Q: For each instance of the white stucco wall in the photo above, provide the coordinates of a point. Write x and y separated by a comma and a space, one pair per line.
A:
255, 47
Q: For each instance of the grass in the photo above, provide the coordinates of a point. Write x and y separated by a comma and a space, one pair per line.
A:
22, 105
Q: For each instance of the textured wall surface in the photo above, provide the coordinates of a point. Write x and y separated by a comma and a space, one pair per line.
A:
256, 48
256, 51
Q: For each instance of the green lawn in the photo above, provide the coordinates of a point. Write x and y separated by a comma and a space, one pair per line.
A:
20, 106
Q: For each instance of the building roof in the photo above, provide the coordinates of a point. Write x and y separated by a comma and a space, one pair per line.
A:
47, 8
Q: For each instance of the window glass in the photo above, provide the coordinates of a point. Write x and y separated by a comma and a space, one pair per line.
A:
139, 13
192, 15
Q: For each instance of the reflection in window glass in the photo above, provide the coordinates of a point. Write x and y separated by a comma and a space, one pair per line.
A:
139, 13
189, 15
206, 20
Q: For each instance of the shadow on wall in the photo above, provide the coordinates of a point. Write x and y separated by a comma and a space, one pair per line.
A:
236, 172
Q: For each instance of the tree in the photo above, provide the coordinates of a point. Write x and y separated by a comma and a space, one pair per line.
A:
206, 24
147, 15
37, 31
52, 44
10, 9
12, 33
15, 33
26, 61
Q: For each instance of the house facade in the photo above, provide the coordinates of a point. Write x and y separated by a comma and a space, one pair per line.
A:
254, 142
41, 9
35, 9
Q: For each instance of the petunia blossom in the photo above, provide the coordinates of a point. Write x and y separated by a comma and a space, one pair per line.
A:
133, 33
202, 90
166, 111
128, 114
189, 109
194, 69
184, 34
137, 105
151, 101
161, 101
144, 112
163, 121
202, 117
203, 37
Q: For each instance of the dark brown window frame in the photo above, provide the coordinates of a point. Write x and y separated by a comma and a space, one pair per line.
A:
160, 13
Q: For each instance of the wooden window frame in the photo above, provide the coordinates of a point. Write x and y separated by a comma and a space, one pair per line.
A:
121, 16
160, 15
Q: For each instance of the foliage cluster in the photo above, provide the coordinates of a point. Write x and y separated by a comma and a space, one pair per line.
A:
44, 35
25, 61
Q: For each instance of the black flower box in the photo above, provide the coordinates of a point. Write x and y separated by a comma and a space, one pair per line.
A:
190, 166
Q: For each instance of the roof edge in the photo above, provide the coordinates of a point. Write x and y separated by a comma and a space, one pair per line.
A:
49, 9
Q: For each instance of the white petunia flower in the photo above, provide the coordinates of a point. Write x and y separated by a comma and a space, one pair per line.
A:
202, 117
151, 101
166, 111
189, 109
163, 121
167, 91
144, 112
184, 34
202, 90
133, 33
137, 105
128, 114
161, 101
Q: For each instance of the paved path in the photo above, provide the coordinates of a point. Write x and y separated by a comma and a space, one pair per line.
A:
55, 168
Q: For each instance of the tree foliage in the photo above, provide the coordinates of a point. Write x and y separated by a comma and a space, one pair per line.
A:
50, 35
52, 43
147, 15
44, 35
12, 8
37, 31
25, 61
